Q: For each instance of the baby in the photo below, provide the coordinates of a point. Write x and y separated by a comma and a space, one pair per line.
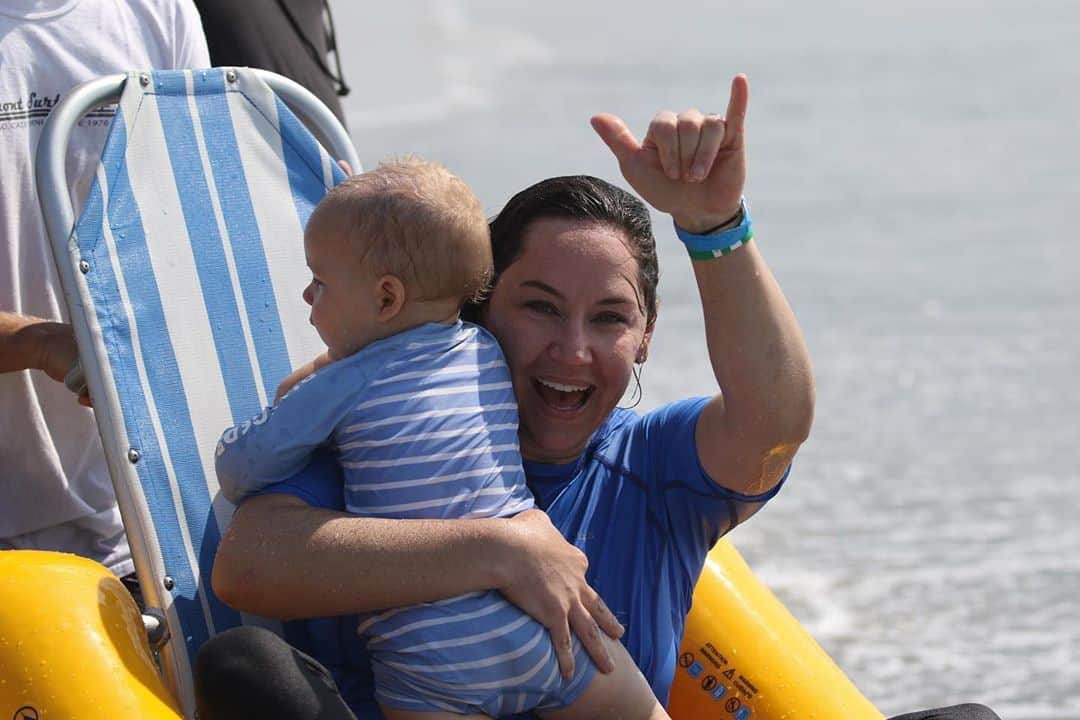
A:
419, 408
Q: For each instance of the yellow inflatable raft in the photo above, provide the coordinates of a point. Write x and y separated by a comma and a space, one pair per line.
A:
745, 657
72, 644
72, 647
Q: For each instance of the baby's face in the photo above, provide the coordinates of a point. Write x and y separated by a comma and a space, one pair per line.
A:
341, 294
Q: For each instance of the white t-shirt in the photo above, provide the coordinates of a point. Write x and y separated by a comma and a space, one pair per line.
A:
55, 491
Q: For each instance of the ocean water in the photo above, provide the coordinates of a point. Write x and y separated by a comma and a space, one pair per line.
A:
913, 174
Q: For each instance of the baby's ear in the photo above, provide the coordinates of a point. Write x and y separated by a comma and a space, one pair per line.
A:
389, 297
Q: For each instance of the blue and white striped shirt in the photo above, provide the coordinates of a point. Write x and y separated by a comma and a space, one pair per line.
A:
425, 426
424, 423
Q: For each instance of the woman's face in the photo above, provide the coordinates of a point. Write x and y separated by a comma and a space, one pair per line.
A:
569, 316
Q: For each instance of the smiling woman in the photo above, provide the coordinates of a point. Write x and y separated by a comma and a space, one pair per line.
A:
640, 498
573, 306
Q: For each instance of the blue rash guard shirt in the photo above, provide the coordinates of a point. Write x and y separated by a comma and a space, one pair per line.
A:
637, 503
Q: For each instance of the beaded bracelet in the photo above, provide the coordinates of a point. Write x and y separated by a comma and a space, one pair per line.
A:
712, 245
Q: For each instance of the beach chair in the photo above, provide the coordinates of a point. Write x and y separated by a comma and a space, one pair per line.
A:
183, 277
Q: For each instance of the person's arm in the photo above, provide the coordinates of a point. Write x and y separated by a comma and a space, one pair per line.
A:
282, 557
693, 166
30, 343
278, 442
299, 374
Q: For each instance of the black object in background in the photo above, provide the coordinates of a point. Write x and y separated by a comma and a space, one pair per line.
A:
294, 38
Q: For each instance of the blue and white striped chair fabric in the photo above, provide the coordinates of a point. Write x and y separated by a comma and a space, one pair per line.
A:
190, 249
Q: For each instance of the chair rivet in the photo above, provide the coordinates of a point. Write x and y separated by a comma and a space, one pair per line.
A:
231, 76
133, 455
144, 79
168, 582
84, 266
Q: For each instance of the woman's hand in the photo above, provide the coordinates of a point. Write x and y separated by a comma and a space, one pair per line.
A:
548, 582
691, 165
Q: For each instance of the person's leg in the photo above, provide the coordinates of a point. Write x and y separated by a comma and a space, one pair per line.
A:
967, 711
251, 672
623, 693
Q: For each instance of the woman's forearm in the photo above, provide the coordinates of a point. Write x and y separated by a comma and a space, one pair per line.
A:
749, 433
693, 166
283, 558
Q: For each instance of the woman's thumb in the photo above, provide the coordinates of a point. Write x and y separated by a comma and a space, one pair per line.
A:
613, 131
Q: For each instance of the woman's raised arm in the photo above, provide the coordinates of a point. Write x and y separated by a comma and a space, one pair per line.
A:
283, 558
693, 166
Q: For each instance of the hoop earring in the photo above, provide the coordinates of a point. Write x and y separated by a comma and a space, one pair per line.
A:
637, 395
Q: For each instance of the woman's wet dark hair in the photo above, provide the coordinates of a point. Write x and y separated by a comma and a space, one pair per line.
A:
576, 197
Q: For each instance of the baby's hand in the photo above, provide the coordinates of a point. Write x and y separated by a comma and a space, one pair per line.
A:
299, 374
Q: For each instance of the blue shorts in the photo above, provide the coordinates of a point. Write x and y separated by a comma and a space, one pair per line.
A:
472, 654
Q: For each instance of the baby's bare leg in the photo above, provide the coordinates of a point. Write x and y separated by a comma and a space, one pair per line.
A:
622, 694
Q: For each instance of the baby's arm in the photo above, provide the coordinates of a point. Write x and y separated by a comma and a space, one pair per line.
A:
299, 374
278, 442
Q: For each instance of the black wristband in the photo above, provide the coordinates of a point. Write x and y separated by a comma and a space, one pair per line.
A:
732, 221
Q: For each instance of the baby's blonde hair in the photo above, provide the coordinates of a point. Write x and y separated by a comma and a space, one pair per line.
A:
413, 219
